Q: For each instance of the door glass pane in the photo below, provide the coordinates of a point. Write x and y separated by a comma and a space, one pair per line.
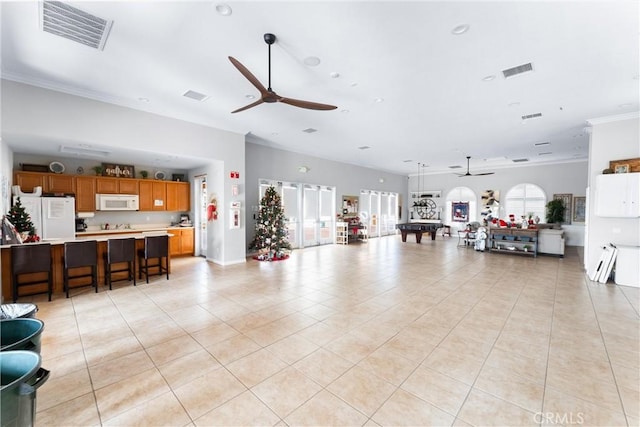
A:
374, 221
290, 204
327, 218
311, 202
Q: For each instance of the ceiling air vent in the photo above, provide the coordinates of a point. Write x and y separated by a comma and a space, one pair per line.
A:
364, 147
520, 160
310, 130
540, 144
455, 167
195, 95
520, 69
531, 116
74, 24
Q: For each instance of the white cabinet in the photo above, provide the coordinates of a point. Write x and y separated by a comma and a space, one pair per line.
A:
618, 195
342, 233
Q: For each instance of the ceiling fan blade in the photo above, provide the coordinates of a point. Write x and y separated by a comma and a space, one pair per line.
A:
484, 173
306, 104
246, 107
247, 74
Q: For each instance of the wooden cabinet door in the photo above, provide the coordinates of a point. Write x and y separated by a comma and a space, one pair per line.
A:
127, 186
172, 196
107, 185
145, 189
29, 180
159, 195
61, 184
85, 194
175, 242
184, 197
187, 241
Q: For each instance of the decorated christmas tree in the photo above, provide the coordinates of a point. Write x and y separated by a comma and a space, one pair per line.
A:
21, 220
271, 230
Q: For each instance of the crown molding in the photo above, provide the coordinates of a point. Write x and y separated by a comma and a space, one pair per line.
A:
615, 118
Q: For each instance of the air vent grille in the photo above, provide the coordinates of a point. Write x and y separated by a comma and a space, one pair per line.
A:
520, 160
546, 153
455, 167
195, 95
520, 69
74, 24
531, 116
310, 130
540, 144
364, 147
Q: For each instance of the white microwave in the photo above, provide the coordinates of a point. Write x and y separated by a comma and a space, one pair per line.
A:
117, 202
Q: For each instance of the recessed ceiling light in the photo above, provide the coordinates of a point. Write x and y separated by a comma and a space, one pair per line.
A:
354, 84
334, 74
250, 96
274, 133
311, 61
224, 9
460, 29
488, 78
379, 100
344, 111
513, 104
143, 99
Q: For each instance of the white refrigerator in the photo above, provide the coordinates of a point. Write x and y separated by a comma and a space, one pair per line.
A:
58, 218
52, 217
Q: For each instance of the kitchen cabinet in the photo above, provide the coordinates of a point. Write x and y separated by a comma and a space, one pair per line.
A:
178, 196
153, 195
85, 193
617, 195
29, 180
60, 184
106, 185
182, 241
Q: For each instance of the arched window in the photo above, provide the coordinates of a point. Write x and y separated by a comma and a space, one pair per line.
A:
525, 199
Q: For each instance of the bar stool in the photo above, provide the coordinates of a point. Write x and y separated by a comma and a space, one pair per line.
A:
155, 247
120, 251
77, 255
28, 259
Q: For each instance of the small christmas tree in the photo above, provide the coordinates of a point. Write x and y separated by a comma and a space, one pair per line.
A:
271, 230
21, 220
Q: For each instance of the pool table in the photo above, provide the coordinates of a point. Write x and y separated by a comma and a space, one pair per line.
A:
418, 228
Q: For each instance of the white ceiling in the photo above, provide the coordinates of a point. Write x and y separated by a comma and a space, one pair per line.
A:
436, 107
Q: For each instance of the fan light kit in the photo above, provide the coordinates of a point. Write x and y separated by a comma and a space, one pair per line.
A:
267, 94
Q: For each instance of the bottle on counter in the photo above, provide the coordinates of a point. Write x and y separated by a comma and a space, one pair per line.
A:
106, 226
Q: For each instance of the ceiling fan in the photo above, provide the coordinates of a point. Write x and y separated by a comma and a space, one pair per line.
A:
473, 174
267, 94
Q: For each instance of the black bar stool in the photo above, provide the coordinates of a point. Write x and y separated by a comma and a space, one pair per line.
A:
77, 255
28, 259
120, 251
155, 247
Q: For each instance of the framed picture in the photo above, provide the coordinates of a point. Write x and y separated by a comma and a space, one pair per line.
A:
566, 202
177, 177
460, 211
622, 168
579, 209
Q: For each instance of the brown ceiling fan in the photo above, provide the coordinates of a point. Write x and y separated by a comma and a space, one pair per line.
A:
267, 94
473, 174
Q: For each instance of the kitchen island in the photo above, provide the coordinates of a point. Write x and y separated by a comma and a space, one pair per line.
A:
101, 236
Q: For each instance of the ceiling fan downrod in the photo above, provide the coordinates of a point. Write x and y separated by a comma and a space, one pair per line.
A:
269, 39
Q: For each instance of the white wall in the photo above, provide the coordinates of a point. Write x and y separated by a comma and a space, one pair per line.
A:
612, 138
31, 112
6, 176
269, 163
553, 179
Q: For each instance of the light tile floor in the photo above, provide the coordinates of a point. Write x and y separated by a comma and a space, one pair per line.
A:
384, 333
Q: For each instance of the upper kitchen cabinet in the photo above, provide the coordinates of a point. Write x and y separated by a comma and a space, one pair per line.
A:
178, 196
61, 184
153, 195
107, 185
85, 193
618, 195
29, 180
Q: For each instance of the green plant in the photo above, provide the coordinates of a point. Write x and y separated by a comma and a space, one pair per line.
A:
555, 211
144, 174
97, 169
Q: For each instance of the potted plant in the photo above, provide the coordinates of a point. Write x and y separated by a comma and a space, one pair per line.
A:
144, 174
97, 170
555, 211
526, 248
